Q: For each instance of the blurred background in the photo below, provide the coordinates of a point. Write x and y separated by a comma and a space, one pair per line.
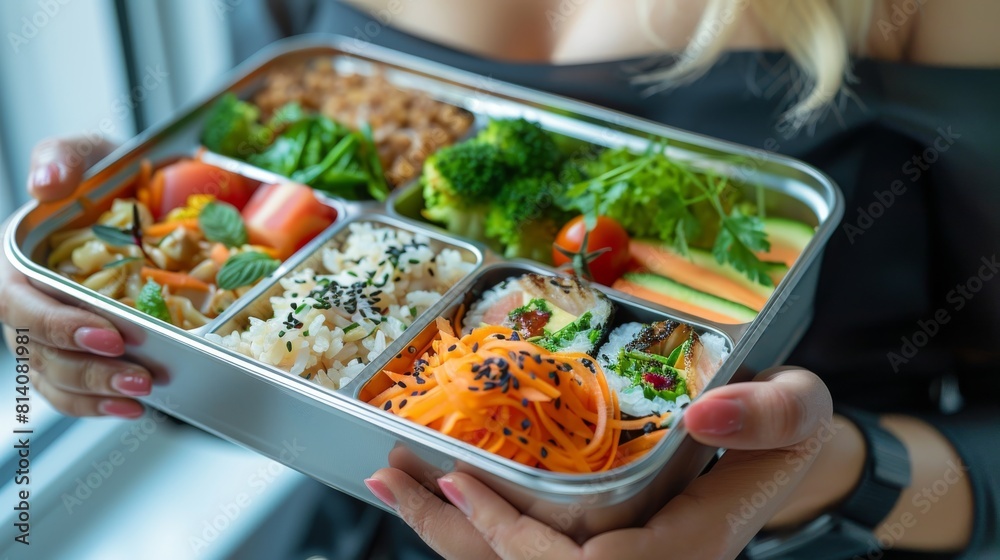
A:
107, 488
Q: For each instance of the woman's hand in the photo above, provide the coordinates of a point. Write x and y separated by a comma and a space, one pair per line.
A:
73, 353
772, 429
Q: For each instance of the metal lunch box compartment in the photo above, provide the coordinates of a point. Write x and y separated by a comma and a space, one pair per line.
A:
260, 307
36, 223
333, 436
578, 504
790, 189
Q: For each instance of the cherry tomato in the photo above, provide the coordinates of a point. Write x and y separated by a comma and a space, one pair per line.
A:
286, 216
171, 186
606, 267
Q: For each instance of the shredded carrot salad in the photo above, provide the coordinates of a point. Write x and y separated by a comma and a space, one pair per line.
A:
510, 397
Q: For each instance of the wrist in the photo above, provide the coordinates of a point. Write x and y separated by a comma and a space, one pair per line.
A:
839, 458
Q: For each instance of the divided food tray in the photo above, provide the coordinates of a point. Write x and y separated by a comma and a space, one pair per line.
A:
331, 435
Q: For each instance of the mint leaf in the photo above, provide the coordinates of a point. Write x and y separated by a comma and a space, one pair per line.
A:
244, 269
222, 223
120, 262
113, 235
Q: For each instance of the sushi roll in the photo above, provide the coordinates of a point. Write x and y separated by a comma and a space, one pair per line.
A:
558, 313
659, 367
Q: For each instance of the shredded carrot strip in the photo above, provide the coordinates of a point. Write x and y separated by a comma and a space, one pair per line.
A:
497, 392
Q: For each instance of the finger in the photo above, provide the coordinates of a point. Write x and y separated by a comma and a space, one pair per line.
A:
509, 533
72, 404
58, 325
781, 407
58, 165
86, 374
439, 524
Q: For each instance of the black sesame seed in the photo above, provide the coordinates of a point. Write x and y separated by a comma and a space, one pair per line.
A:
522, 439
648, 427
452, 348
545, 453
507, 432
402, 403
388, 405
525, 424
475, 347
402, 384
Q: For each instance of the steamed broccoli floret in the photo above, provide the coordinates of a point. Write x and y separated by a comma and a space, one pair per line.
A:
525, 145
524, 219
458, 184
498, 187
233, 128
443, 207
471, 170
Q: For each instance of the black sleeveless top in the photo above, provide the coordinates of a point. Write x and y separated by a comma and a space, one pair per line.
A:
907, 314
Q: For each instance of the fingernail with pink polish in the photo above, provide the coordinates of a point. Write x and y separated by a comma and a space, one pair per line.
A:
454, 495
103, 342
716, 417
120, 409
131, 384
382, 492
44, 175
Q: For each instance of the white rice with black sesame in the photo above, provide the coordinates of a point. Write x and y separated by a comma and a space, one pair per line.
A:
329, 324
631, 399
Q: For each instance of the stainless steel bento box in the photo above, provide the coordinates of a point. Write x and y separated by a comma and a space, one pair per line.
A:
336, 438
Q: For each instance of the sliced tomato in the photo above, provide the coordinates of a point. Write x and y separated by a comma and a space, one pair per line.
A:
171, 186
286, 216
607, 234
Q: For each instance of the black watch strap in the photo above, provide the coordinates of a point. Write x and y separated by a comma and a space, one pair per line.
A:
886, 472
848, 531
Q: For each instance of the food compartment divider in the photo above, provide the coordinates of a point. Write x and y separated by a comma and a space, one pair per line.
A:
311, 257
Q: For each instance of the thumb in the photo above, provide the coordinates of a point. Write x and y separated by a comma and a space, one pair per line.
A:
781, 407
58, 165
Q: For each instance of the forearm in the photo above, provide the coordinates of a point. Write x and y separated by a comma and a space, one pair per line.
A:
934, 514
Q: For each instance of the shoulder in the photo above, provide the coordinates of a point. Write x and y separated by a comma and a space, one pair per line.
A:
959, 33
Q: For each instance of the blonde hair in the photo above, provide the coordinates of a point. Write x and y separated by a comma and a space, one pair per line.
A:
818, 35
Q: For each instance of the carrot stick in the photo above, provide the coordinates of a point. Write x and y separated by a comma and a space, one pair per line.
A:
176, 280
164, 229
219, 253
